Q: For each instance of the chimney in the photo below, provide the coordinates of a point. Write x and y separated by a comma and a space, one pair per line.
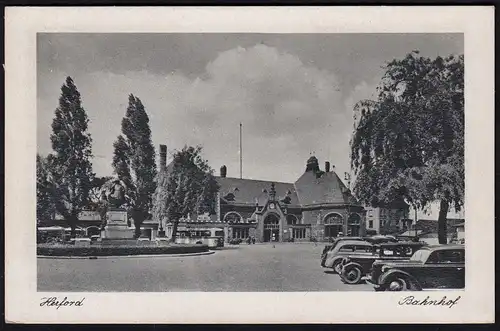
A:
327, 166
223, 171
163, 157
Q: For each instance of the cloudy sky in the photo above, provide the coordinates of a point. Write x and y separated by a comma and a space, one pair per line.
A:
293, 93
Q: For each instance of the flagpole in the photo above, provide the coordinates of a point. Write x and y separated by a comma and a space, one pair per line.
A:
241, 154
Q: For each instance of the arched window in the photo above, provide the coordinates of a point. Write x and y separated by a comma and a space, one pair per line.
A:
334, 219
272, 219
291, 219
232, 217
354, 219
333, 225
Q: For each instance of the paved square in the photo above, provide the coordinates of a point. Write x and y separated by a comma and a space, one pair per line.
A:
254, 268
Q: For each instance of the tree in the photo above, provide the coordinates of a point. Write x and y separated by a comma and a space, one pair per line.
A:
187, 187
409, 143
134, 161
45, 207
71, 167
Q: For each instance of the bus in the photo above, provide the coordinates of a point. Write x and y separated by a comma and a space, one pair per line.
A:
55, 234
213, 237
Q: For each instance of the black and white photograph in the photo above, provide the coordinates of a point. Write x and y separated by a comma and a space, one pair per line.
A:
246, 162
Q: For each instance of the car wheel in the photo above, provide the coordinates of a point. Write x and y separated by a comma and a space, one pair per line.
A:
337, 266
352, 275
397, 284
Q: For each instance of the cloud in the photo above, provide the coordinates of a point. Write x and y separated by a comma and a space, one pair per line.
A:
287, 108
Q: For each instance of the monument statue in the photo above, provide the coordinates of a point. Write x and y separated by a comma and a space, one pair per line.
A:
114, 191
113, 194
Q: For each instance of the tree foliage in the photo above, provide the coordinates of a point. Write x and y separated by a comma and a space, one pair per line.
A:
45, 207
409, 142
134, 161
70, 163
187, 187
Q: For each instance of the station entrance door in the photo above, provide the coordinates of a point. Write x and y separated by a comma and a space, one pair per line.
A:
271, 228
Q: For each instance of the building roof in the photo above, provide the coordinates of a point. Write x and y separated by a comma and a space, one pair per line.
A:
443, 247
323, 187
250, 191
314, 187
410, 233
427, 225
309, 189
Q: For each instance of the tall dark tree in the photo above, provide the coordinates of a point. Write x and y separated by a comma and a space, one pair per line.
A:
188, 187
409, 143
45, 207
71, 166
134, 161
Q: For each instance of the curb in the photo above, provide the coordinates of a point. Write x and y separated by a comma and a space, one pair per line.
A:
123, 256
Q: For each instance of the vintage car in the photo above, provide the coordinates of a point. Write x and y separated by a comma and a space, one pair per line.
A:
355, 267
337, 240
431, 267
377, 239
344, 248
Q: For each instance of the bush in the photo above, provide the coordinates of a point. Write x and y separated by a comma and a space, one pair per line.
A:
116, 250
235, 241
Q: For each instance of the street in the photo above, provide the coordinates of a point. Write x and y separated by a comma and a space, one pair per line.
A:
243, 268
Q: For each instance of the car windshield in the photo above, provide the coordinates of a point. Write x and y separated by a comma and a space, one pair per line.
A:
420, 256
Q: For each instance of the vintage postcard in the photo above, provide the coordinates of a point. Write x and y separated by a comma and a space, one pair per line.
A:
249, 165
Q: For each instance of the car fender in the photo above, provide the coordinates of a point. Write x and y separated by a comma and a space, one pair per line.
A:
330, 261
398, 273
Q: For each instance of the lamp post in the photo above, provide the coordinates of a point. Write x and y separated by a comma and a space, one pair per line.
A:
416, 219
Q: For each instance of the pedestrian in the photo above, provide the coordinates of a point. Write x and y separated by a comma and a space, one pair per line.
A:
253, 240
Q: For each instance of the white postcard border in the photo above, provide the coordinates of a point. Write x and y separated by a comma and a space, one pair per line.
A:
22, 300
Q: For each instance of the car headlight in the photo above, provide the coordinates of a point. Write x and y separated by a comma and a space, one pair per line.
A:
345, 261
385, 268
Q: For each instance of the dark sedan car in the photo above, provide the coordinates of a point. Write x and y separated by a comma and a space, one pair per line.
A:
354, 267
431, 267
332, 246
377, 239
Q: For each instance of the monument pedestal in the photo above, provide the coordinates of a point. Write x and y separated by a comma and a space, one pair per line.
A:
117, 227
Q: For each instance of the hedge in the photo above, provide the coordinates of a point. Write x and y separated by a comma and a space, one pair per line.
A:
116, 250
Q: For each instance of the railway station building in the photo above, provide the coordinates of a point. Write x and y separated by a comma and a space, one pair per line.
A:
316, 206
